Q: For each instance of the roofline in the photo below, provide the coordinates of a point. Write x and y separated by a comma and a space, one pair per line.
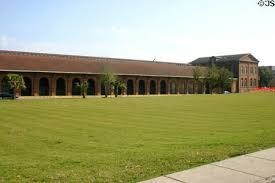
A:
86, 57
118, 74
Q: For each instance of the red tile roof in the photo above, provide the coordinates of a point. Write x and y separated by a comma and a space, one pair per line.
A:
53, 63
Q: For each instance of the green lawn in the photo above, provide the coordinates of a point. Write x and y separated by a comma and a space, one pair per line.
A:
128, 139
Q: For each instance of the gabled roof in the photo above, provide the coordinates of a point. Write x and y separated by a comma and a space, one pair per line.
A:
53, 63
246, 57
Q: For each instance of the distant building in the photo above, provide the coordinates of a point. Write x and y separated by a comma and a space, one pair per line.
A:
243, 66
59, 75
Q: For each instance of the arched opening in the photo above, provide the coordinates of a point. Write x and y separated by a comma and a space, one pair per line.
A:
44, 87
172, 88
28, 90
60, 87
162, 87
190, 87
251, 84
75, 87
91, 87
153, 87
181, 87
6, 87
130, 87
141, 87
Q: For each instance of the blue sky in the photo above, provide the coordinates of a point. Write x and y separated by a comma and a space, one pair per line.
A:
170, 30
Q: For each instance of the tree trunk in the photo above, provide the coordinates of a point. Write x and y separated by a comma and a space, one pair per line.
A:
106, 90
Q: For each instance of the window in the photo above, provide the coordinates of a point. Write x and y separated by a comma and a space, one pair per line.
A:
241, 83
242, 70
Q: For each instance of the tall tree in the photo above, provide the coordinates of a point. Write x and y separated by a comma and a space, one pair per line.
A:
108, 79
119, 85
265, 77
225, 79
15, 82
83, 88
196, 78
212, 78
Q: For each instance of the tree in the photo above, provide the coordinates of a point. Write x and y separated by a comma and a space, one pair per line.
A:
15, 82
83, 88
225, 79
196, 78
219, 78
265, 77
119, 85
108, 79
212, 78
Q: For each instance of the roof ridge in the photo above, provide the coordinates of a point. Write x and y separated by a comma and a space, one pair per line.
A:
97, 58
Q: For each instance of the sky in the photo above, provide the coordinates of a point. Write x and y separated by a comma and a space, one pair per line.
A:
165, 30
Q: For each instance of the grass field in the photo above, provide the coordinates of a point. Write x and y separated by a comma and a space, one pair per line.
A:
128, 139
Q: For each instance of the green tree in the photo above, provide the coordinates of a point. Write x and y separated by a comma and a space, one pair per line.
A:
15, 82
212, 78
108, 79
119, 85
225, 79
196, 78
265, 77
83, 88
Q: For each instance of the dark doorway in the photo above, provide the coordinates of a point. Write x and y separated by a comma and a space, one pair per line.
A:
91, 87
141, 87
28, 90
60, 87
130, 87
75, 87
153, 87
163, 87
44, 87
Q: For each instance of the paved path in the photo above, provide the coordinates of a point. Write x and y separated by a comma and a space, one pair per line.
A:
258, 167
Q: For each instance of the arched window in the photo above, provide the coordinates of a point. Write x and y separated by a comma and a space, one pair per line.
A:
245, 83
141, 87
44, 87
242, 85
130, 87
28, 90
251, 82
75, 87
163, 87
153, 87
91, 87
242, 70
60, 87
172, 88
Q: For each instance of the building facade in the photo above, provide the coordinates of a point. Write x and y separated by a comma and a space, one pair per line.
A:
243, 66
60, 75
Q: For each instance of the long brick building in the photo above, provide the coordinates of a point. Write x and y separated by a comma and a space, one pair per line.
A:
59, 75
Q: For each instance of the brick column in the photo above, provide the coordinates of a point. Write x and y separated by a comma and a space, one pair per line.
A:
147, 87
136, 86
97, 86
69, 86
177, 83
168, 87
158, 86
186, 86
36, 85
52, 86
